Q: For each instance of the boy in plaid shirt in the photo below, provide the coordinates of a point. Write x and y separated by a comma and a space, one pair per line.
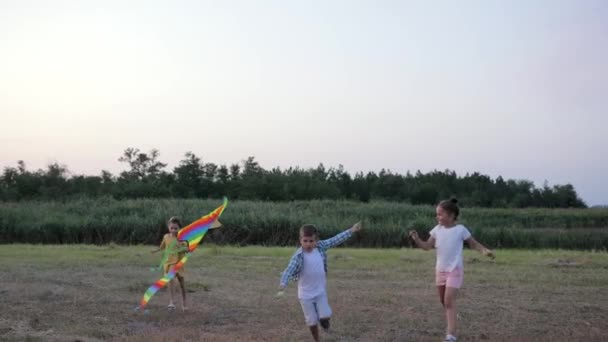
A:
308, 266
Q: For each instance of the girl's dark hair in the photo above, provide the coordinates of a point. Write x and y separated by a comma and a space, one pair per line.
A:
451, 206
175, 220
309, 230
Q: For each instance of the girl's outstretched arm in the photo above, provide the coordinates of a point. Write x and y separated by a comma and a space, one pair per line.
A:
426, 245
479, 247
162, 246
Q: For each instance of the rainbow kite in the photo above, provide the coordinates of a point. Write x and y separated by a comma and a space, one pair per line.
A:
192, 234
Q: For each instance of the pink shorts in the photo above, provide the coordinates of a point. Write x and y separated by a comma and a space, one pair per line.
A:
450, 279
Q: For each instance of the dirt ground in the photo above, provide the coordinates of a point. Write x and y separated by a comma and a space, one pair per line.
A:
88, 293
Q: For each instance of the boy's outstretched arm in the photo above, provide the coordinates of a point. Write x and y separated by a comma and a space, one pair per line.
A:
356, 227
479, 247
342, 237
426, 245
288, 272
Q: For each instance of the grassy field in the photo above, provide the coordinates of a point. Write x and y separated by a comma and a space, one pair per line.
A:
87, 293
106, 220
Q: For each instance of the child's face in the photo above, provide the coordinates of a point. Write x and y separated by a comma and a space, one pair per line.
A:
308, 242
173, 228
444, 217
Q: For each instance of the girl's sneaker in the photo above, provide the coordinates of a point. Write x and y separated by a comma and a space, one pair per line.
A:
449, 338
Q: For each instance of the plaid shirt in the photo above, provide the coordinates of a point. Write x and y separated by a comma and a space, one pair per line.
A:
294, 268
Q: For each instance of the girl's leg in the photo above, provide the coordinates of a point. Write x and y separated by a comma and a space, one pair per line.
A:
450, 308
441, 291
182, 285
171, 292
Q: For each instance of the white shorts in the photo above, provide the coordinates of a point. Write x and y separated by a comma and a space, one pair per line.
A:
315, 309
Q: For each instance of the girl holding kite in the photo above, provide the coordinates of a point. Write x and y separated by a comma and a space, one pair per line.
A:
174, 251
179, 244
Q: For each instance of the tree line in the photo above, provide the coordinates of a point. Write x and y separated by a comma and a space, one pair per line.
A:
146, 177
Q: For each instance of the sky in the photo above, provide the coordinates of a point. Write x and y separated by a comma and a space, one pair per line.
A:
511, 88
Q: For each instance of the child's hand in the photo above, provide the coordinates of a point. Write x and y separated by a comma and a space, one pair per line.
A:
356, 227
489, 253
281, 292
413, 234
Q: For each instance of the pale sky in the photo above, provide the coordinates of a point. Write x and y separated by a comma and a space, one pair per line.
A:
514, 88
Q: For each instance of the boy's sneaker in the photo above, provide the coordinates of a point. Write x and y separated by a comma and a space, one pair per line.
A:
325, 324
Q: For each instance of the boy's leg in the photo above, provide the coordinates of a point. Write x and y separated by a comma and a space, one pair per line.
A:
314, 330
182, 285
323, 310
311, 316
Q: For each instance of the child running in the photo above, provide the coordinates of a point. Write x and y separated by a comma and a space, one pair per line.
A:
447, 237
175, 251
308, 266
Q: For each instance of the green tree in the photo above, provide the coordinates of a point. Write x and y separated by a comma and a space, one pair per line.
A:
143, 165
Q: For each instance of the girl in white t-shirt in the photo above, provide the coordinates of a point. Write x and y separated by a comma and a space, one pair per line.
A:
447, 237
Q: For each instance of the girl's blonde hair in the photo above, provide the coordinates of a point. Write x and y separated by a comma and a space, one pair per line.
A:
175, 220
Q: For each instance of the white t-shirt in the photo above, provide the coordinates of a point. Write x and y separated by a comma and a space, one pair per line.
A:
312, 279
448, 242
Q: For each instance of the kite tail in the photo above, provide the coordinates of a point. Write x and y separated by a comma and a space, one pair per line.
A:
159, 284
